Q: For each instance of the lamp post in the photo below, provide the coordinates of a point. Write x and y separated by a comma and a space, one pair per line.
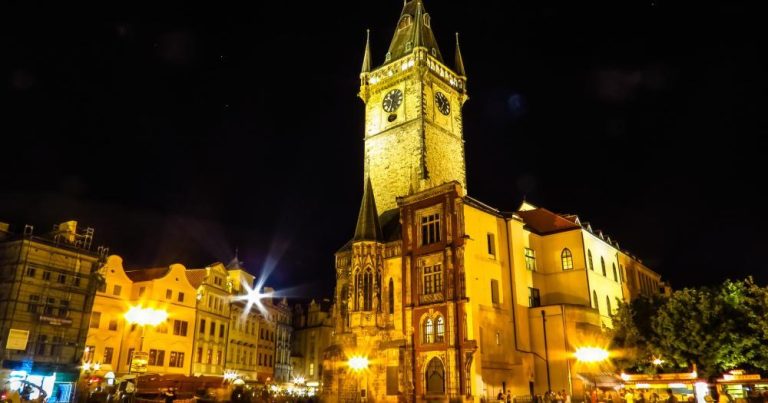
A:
546, 348
358, 364
143, 317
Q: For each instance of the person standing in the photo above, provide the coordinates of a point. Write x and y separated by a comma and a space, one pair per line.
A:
629, 397
671, 397
170, 395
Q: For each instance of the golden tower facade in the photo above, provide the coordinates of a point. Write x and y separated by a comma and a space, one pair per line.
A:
413, 124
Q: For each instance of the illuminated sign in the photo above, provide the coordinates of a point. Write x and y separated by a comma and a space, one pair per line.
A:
17, 339
52, 320
139, 361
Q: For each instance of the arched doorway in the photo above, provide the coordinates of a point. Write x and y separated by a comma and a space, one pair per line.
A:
435, 377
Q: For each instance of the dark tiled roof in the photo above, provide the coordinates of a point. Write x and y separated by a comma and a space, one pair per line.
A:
195, 277
390, 225
418, 33
368, 228
543, 221
147, 274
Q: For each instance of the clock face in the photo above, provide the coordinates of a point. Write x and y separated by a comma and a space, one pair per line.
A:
442, 103
392, 100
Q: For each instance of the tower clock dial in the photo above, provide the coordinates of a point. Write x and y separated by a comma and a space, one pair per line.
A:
442, 103
392, 100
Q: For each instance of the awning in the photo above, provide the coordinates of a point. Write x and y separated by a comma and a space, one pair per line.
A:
601, 379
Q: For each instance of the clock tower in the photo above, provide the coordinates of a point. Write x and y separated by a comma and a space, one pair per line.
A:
413, 124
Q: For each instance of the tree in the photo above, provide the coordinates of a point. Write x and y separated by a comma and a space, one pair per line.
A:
717, 329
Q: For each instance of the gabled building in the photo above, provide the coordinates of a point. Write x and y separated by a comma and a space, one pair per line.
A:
47, 287
312, 330
438, 295
211, 331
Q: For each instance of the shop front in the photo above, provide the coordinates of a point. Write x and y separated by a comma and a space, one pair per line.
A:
683, 385
743, 387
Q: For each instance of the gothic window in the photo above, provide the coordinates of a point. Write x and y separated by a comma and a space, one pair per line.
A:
567, 259
391, 296
589, 260
404, 22
367, 290
426, 20
429, 331
433, 279
378, 291
430, 229
608, 304
530, 259
435, 377
440, 333
615, 274
358, 287
602, 264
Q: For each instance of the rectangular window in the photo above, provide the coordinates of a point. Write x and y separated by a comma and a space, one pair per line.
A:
213, 329
56, 346
202, 326
530, 259
168, 294
116, 290
34, 300
113, 324
199, 354
101, 287
209, 357
311, 369
89, 353
491, 244
108, 353
430, 229
62, 279
141, 291
433, 279
48, 310
64, 309
95, 319
180, 327
46, 275
31, 271
41, 344
156, 357
534, 298
218, 357
180, 298
495, 291
221, 330
177, 359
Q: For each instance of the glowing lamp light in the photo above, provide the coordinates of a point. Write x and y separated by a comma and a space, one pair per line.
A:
658, 361
230, 374
96, 366
358, 363
86, 366
298, 380
676, 385
591, 354
146, 316
624, 377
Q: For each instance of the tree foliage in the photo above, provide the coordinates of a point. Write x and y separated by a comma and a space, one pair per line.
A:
717, 329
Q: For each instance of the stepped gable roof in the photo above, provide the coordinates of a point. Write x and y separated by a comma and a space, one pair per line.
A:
543, 221
147, 274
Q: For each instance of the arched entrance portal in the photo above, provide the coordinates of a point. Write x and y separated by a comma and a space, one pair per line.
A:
435, 377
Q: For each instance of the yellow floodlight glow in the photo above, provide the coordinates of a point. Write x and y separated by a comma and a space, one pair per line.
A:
658, 361
146, 316
591, 354
358, 363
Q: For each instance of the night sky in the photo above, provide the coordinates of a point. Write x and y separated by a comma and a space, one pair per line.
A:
182, 132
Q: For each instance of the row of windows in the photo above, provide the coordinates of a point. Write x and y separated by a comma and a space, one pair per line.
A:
89, 354
618, 275
48, 307
157, 358
180, 327
596, 303
212, 328
43, 347
49, 276
209, 358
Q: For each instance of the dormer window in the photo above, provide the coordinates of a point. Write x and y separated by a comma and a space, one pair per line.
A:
427, 19
405, 22
408, 46
434, 52
388, 57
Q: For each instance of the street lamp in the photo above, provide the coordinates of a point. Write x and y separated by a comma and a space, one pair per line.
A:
591, 354
143, 317
358, 364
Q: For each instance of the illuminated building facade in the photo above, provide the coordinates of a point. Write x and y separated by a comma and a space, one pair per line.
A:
213, 318
312, 328
283, 333
243, 327
47, 286
445, 296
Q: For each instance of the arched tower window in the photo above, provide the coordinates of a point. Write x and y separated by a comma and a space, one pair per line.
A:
429, 331
435, 377
615, 274
608, 304
405, 22
602, 263
589, 260
367, 290
567, 259
391, 296
379, 290
440, 334
358, 289
594, 299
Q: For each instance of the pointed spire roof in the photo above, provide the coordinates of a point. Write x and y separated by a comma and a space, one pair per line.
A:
367, 56
368, 228
459, 60
414, 29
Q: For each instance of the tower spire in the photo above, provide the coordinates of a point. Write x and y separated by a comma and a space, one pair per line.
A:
459, 60
413, 30
368, 228
367, 56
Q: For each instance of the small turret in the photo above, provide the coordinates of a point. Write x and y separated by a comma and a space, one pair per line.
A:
459, 60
